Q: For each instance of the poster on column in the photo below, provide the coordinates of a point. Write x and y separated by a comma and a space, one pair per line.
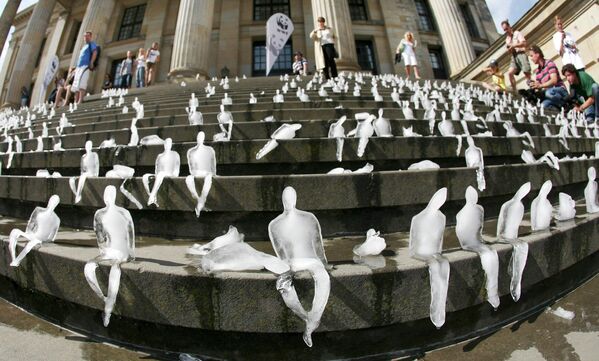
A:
278, 30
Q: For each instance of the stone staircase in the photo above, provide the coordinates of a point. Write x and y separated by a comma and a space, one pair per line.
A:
161, 290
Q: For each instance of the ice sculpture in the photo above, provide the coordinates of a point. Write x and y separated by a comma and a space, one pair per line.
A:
548, 158
469, 227
285, 131
409, 132
474, 159
194, 116
424, 164
566, 209
90, 167
367, 168
134, 139
116, 240
167, 165
426, 244
125, 173
364, 130
232, 236
541, 209
42, 227
445, 126
382, 126
240, 256
510, 217
408, 114
337, 132
202, 163
512, 132
296, 238
590, 192
225, 123
372, 246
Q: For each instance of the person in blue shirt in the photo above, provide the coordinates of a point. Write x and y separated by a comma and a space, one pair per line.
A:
85, 64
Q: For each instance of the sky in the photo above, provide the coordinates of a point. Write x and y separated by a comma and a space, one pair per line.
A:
500, 10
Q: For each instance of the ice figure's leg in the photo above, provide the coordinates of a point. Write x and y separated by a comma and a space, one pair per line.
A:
9, 163
459, 147
73, 185
362, 146
12, 243
145, 180
191, 186
268, 147
287, 291
205, 190
490, 263
155, 189
90, 275
480, 179
80, 187
438, 269
530, 142
322, 289
32, 243
339, 153
129, 196
114, 281
517, 264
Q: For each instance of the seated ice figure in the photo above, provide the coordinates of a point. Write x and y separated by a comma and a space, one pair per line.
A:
194, 116
167, 164
364, 130
42, 227
445, 126
469, 227
382, 126
134, 138
225, 123
337, 132
590, 192
125, 173
566, 209
548, 158
202, 164
474, 159
512, 132
296, 238
541, 209
116, 240
508, 223
285, 131
426, 244
90, 167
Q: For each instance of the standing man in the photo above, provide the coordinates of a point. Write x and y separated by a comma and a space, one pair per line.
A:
324, 47
152, 58
516, 46
127, 71
85, 64
583, 87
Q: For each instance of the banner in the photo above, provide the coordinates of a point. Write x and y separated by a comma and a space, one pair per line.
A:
51, 71
278, 30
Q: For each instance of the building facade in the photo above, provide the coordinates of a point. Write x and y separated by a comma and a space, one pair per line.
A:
580, 18
214, 37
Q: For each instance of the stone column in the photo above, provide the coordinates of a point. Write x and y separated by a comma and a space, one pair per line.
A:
191, 48
30, 47
228, 37
456, 40
97, 14
336, 14
38, 93
6, 19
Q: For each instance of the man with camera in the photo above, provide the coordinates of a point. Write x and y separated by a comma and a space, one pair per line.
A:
516, 46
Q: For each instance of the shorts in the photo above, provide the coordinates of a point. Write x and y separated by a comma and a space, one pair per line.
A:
520, 63
80, 79
409, 59
150, 65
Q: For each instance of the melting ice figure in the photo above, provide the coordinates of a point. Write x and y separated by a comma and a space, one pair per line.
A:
285, 131
590, 192
90, 167
364, 130
125, 173
426, 244
474, 159
372, 246
116, 240
510, 217
232, 236
337, 132
42, 227
469, 227
202, 163
167, 164
297, 240
566, 209
541, 209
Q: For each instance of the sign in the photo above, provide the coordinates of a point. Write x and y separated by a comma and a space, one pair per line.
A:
51, 71
278, 30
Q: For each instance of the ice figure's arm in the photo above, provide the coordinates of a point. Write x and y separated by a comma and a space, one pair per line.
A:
55, 228
317, 243
130, 234
279, 249
444, 222
213, 165
501, 219
157, 163
99, 229
32, 225
533, 213
95, 165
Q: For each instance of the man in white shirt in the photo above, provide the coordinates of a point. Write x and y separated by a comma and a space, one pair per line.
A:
565, 45
324, 48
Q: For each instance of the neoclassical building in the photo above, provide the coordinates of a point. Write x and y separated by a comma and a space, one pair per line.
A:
212, 37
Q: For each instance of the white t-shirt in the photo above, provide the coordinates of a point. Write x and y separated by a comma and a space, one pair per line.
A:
153, 55
570, 55
408, 47
141, 61
326, 36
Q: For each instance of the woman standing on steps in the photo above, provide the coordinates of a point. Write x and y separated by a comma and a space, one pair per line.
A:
406, 49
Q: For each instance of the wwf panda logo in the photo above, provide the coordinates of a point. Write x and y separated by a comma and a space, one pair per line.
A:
282, 22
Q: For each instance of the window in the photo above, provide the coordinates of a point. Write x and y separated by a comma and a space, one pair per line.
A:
283, 64
39, 55
365, 52
469, 20
73, 36
357, 9
437, 62
132, 19
264, 9
115, 71
425, 20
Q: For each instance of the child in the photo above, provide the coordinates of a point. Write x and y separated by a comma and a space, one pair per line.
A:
497, 77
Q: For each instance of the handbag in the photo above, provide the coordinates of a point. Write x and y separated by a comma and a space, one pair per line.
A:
397, 58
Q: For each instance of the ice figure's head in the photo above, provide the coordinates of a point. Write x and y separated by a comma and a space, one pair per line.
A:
168, 144
289, 198
437, 200
200, 138
53, 202
546, 188
523, 191
296, 126
371, 233
109, 195
471, 195
592, 173
222, 108
470, 141
566, 200
88, 146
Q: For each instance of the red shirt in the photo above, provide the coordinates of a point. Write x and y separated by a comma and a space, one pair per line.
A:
543, 73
